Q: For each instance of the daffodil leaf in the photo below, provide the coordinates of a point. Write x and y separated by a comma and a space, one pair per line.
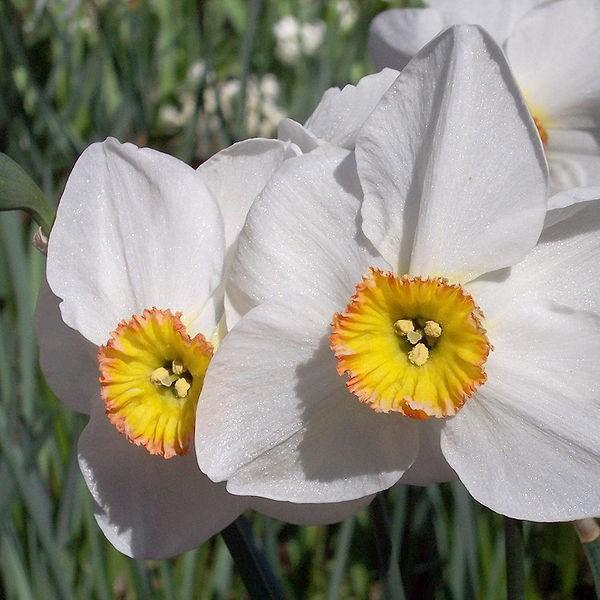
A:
387, 548
19, 192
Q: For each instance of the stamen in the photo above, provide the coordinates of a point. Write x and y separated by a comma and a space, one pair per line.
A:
177, 367
419, 355
182, 387
433, 329
404, 326
161, 376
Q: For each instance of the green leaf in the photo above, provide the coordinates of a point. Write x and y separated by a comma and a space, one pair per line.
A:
341, 558
515, 559
388, 548
19, 192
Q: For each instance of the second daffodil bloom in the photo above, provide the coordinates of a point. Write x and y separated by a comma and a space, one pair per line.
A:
138, 256
424, 331
553, 49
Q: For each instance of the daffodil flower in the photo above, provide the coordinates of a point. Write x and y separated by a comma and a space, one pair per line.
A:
424, 331
553, 49
137, 257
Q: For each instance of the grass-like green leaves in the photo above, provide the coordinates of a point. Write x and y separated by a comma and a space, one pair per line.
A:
19, 192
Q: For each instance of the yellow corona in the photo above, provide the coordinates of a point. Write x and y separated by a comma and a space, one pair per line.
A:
151, 375
411, 345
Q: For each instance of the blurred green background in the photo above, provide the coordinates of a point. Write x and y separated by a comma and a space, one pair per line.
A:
190, 78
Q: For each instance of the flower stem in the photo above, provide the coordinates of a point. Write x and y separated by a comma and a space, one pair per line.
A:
387, 551
589, 534
515, 559
250, 561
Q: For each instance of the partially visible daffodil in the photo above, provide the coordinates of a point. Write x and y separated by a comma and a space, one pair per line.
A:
137, 258
339, 115
553, 49
424, 331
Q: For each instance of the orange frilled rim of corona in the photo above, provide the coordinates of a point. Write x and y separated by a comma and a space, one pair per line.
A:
411, 345
151, 375
541, 127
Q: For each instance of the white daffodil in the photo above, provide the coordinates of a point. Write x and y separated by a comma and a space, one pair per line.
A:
432, 332
138, 255
553, 49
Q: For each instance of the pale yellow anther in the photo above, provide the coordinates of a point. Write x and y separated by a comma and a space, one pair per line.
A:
414, 336
161, 376
404, 326
177, 367
182, 387
418, 355
433, 329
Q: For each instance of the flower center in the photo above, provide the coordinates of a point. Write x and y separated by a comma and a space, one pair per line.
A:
421, 339
411, 345
151, 375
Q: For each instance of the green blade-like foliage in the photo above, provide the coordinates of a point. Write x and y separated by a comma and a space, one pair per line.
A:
19, 192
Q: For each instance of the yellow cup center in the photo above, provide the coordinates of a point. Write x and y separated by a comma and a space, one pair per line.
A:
151, 375
411, 345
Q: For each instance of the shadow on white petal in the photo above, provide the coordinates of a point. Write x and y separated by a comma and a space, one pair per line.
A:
147, 506
431, 465
67, 359
310, 514
341, 430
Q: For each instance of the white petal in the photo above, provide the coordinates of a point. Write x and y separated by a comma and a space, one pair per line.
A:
291, 131
527, 444
135, 228
451, 165
497, 17
310, 514
67, 359
236, 176
431, 465
282, 425
301, 236
341, 113
147, 506
396, 35
564, 268
574, 161
554, 53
